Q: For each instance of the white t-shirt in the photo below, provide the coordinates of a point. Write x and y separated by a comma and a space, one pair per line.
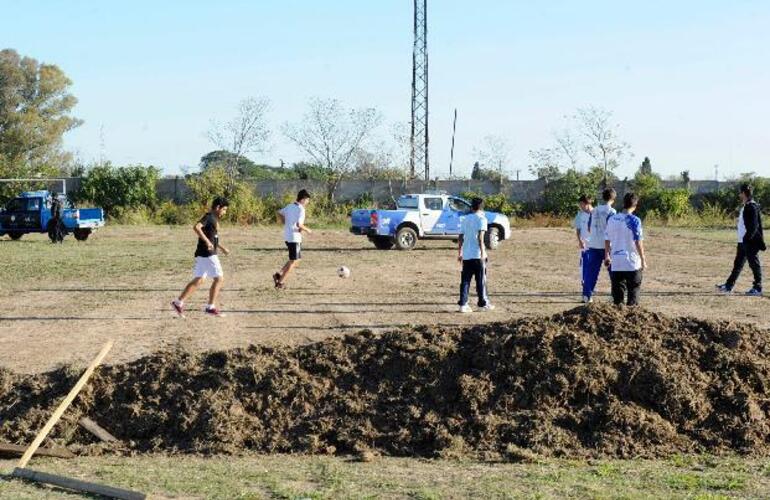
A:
471, 225
623, 231
581, 223
598, 225
741, 226
294, 215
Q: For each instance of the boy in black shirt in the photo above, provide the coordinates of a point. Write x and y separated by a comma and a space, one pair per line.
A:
206, 259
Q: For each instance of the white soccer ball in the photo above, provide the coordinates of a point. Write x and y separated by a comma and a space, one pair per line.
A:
343, 272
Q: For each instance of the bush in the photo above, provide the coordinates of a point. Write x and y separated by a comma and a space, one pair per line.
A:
495, 203
113, 188
666, 203
560, 196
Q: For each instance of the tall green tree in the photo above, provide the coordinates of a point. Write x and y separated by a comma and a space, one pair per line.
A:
35, 113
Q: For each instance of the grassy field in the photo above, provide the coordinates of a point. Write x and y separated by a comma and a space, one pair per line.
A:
296, 477
60, 303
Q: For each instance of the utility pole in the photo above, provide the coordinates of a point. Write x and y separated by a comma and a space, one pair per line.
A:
419, 163
452, 151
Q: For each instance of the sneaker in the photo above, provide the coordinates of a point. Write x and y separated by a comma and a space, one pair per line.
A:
277, 281
488, 307
587, 299
754, 293
724, 289
465, 309
178, 307
213, 311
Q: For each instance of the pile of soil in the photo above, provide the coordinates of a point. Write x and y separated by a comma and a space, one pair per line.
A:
591, 382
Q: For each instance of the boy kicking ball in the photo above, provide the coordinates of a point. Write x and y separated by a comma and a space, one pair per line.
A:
206, 259
293, 218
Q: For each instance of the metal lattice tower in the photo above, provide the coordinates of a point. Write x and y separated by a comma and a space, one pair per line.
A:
419, 163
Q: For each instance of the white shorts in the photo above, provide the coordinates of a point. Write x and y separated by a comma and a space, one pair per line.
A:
207, 267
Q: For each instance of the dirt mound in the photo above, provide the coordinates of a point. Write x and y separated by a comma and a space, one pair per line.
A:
592, 381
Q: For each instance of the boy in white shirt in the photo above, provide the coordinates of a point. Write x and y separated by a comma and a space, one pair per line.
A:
594, 255
293, 218
580, 224
624, 252
473, 255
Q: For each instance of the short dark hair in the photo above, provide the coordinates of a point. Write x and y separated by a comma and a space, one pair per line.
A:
747, 189
220, 201
584, 198
477, 204
629, 200
608, 194
303, 195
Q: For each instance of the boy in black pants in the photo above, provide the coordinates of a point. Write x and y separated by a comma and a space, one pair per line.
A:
624, 252
751, 241
473, 255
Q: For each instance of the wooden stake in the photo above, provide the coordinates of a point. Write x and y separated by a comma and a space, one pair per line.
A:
78, 485
17, 451
64, 405
96, 429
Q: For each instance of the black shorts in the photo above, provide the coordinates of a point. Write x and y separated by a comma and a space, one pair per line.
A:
295, 250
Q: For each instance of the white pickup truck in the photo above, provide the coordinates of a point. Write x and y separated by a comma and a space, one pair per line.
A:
423, 216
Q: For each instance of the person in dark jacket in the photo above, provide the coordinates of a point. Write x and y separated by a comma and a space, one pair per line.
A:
751, 241
56, 225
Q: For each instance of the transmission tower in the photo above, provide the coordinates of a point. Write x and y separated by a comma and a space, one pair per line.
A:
419, 163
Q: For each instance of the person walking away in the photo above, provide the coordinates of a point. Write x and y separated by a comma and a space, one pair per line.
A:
624, 252
293, 218
473, 255
206, 259
593, 257
55, 227
580, 224
751, 241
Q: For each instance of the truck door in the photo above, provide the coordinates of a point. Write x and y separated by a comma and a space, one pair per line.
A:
457, 209
22, 214
430, 212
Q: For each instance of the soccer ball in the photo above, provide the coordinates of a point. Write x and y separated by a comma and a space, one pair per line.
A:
343, 272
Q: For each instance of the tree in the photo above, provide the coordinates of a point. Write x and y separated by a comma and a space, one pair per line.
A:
567, 147
603, 144
494, 154
119, 187
244, 134
35, 113
331, 136
646, 167
545, 164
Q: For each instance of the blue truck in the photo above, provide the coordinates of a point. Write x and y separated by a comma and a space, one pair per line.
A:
423, 216
30, 212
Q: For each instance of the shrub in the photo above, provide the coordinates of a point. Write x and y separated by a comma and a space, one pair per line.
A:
112, 188
495, 203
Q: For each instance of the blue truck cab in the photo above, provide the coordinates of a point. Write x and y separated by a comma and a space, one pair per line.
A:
30, 212
423, 216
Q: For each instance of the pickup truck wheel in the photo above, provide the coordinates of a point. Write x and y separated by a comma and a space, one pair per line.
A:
82, 234
406, 238
383, 242
492, 238
15, 236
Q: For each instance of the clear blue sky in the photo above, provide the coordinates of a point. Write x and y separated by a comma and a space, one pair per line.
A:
688, 81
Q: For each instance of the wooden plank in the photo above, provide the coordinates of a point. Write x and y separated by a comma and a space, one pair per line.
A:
77, 485
96, 429
64, 405
17, 451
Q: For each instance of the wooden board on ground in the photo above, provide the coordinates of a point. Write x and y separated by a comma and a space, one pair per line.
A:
17, 451
97, 430
77, 485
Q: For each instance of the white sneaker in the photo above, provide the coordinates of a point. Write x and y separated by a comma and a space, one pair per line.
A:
465, 309
587, 299
488, 307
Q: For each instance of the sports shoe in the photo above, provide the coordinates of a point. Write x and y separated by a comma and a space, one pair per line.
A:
178, 307
488, 307
587, 299
754, 293
213, 311
465, 309
724, 289
277, 280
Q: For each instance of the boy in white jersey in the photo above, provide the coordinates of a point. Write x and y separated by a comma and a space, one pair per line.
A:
580, 224
473, 255
594, 255
624, 252
293, 218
